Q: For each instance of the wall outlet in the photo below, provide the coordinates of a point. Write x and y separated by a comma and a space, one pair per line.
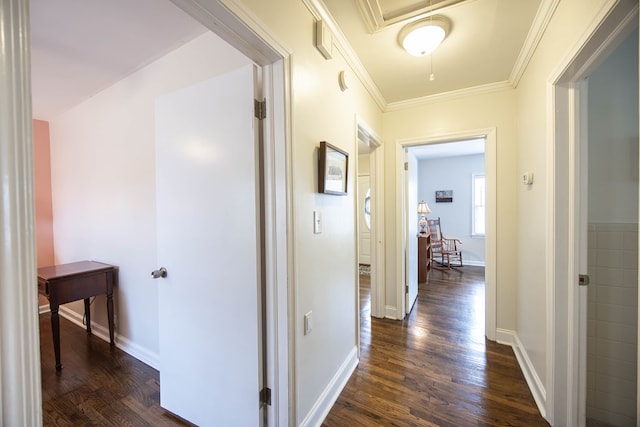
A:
527, 178
308, 323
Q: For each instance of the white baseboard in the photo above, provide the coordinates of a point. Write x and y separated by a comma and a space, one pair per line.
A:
102, 332
43, 309
325, 402
473, 263
391, 312
536, 386
504, 336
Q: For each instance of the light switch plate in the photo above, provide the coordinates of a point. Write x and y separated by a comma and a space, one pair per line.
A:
317, 222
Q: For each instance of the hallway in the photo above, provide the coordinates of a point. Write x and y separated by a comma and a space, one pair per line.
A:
435, 367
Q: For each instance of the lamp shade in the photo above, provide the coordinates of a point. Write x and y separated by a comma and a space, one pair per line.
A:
422, 37
423, 207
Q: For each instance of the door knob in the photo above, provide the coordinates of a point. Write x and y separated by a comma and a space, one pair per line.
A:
161, 272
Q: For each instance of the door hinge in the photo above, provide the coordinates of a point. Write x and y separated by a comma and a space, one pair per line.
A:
265, 397
260, 108
406, 166
583, 279
406, 288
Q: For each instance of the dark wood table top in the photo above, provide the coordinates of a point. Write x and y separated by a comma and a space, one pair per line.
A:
71, 269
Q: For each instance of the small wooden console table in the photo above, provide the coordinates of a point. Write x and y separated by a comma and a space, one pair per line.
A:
424, 257
71, 282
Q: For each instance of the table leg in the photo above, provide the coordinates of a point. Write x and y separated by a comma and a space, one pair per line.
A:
110, 317
87, 314
55, 328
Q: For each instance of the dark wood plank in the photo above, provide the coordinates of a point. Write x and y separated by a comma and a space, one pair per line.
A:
99, 385
435, 368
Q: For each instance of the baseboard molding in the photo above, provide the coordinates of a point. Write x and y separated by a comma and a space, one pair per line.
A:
323, 405
102, 332
504, 336
536, 386
43, 309
391, 312
474, 263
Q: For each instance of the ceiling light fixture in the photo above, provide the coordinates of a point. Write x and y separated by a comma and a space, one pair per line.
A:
422, 37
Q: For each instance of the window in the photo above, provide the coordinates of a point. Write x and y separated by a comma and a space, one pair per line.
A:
478, 212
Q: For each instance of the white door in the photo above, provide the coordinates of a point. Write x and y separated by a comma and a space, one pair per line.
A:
364, 209
411, 208
208, 243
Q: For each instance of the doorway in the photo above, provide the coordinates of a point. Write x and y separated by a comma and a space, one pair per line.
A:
274, 61
612, 238
370, 218
569, 304
440, 142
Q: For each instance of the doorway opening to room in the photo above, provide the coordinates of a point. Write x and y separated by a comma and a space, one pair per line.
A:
593, 217
370, 226
444, 173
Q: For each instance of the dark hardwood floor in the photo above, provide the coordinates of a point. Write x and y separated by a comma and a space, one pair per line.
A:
98, 386
435, 368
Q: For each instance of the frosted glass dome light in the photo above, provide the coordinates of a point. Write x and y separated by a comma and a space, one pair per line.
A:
422, 37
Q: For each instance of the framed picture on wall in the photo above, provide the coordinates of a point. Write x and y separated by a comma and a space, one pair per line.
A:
444, 196
333, 165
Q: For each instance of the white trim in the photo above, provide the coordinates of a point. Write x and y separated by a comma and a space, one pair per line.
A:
330, 394
142, 354
448, 96
376, 174
506, 337
378, 272
475, 263
536, 386
391, 312
491, 254
539, 26
20, 383
474, 177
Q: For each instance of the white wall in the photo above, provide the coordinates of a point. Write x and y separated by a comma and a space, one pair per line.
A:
103, 183
613, 238
453, 173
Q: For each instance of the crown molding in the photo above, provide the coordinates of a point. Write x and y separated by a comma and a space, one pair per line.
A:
319, 11
448, 96
539, 26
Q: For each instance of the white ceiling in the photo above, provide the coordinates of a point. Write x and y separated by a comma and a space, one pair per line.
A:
80, 47
482, 47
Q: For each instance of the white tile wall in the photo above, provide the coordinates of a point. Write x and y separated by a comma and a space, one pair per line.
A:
612, 323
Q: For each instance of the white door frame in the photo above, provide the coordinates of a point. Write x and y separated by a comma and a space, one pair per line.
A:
235, 25
20, 394
20, 387
376, 176
491, 171
565, 380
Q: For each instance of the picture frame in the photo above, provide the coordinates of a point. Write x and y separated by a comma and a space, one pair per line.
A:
444, 196
333, 168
